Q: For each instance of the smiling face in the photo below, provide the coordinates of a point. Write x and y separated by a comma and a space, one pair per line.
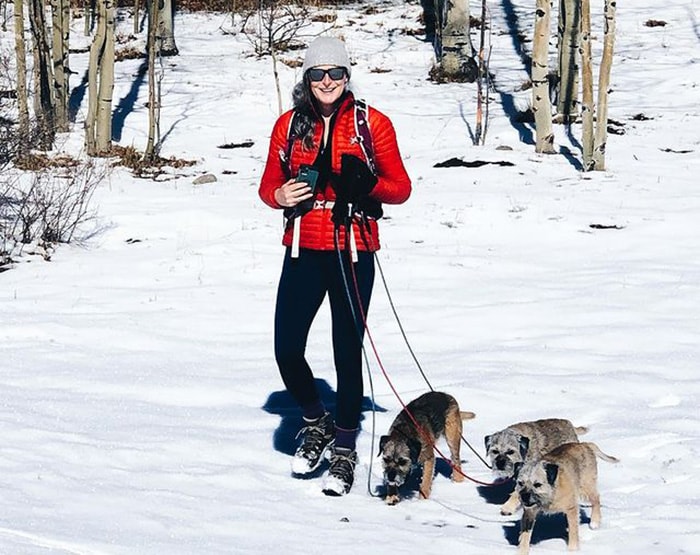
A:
327, 91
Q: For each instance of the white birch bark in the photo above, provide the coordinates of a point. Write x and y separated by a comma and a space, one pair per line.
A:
601, 130
93, 76
21, 57
587, 106
276, 75
137, 5
87, 16
106, 86
482, 84
166, 28
541, 104
568, 48
153, 98
456, 47
44, 102
98, 123
60, 11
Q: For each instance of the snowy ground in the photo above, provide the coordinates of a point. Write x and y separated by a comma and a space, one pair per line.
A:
142, 411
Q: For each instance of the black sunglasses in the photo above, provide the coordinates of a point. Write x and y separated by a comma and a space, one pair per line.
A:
317, 74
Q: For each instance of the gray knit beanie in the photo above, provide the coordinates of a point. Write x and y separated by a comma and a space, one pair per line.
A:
326, 51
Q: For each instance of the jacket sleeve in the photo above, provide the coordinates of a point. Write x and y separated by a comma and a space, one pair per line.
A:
393, 185
274, 176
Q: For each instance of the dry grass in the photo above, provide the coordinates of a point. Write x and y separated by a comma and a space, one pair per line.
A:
38, 161
237, 6
131, 158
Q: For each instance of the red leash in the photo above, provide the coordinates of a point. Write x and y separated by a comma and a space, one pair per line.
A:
419, 428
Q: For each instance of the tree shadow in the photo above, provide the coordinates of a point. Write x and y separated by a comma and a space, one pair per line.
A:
516, 33
570, 155
281, 403
516, 117
547, 527
127, 102
76, 97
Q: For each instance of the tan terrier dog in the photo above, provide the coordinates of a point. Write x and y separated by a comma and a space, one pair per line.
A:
555, 483
511, 447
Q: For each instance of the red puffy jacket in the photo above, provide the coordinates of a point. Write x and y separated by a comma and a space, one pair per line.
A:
393, 184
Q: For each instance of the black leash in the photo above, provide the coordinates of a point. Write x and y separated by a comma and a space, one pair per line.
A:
410, 349
336, 243
415, 358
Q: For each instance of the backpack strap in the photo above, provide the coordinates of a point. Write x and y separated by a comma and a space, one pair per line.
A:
286, 156
362, 130
364, 135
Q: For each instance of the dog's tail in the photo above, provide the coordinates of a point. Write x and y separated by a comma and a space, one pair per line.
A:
602, 455
466, 415
580, 430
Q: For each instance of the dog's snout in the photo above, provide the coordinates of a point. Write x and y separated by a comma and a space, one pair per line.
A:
526, 497
501, 463
391, 475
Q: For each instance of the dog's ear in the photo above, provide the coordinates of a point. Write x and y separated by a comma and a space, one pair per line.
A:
516, 469
487, 442
414, 447
382, 442
524, 446
552, 471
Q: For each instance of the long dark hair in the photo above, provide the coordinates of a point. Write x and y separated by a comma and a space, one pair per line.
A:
306, 107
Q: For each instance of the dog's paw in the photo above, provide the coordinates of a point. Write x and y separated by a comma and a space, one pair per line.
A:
391, 499
505, 511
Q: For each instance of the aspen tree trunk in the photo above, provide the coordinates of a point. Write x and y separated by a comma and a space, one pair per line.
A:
587, 106
601, 130
541, 105
457, 54
88, 15
166, 28
93, 76
273, 55
136, 16
44, 103
21, 56
60, 10
153, 98
98, 123
482, 84
569, 30
106, 86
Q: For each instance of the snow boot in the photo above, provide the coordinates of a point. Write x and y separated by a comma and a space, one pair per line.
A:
341, 473
318, 435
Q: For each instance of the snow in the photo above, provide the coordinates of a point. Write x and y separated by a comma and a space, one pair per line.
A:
142, 411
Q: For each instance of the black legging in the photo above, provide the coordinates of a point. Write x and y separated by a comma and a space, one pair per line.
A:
302, 288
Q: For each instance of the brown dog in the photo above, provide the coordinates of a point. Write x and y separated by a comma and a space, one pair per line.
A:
509, 448
554, 483
437, 414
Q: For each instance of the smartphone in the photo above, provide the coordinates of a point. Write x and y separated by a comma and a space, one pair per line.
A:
308, 175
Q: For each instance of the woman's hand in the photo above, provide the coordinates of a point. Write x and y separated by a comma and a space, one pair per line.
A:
292, 193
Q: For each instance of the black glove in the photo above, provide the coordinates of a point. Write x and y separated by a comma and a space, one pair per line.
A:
355, 177
354, 183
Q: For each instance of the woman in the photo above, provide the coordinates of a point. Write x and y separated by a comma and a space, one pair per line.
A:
330, 237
